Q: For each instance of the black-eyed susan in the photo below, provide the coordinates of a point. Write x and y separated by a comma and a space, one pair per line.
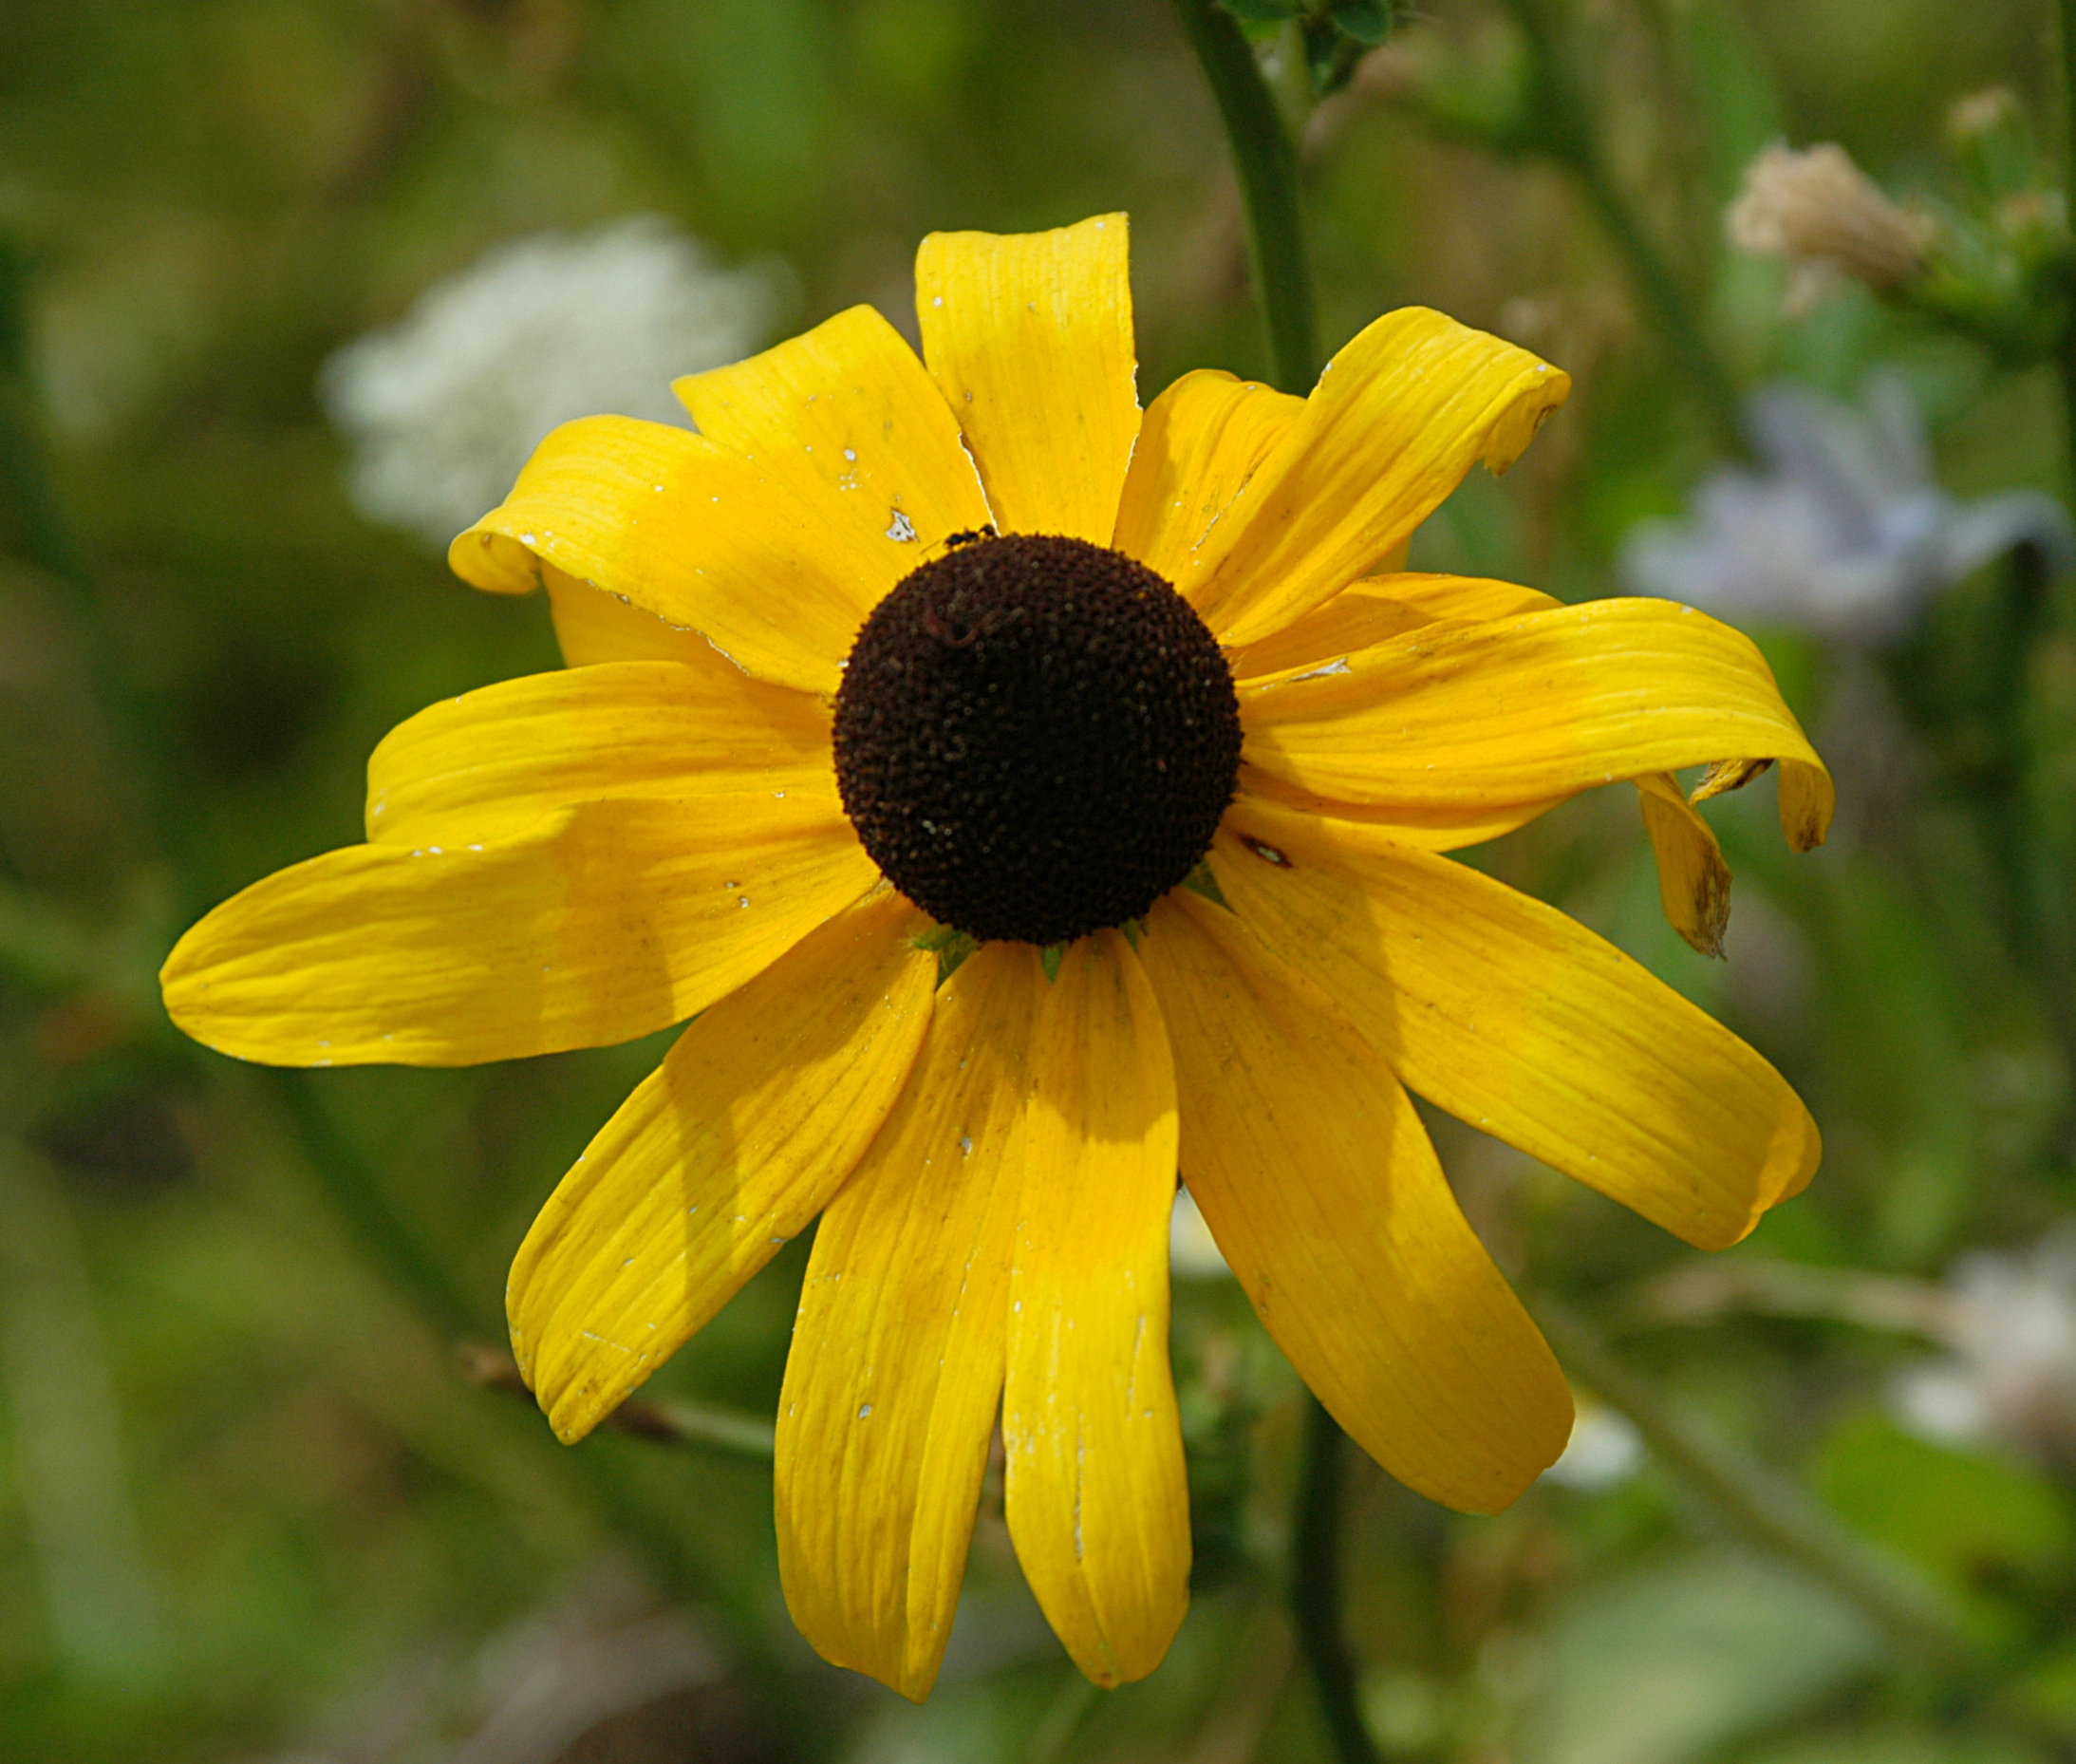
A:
891, 650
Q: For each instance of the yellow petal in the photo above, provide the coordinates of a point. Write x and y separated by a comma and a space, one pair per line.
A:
593, 625
1396, 421
1029, 338
754, 1118
1445, 827
897, 1355
491, 763
604, 922
848, 419
1694, 881
1511, 1017
702, 540
1096, 1498
1202, 441
1467, 719
1322, 1188
1364, 615
1370, 611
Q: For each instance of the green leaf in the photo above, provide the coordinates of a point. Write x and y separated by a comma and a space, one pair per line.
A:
1368, 21
1999, 1540
1262, 11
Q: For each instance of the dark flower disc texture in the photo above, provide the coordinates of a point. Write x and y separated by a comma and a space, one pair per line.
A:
1035, 738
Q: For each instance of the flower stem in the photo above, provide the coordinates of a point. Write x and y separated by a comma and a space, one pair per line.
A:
1766, 1508
1564, 131
1267, 166
2065, 354
351, 1189
1315, 1593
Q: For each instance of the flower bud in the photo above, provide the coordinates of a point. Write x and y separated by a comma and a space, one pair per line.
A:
1817, 211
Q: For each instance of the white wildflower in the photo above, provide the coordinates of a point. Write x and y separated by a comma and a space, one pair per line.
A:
2010, 1373
1603, 1452
445, 406
1846, 533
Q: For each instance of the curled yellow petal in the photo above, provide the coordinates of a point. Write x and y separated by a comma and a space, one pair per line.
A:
1028, 336
1396, 419
897, 1355
1320, 1186
686, 530
1694, 881
1473, 718
754, 1118
1096, 1498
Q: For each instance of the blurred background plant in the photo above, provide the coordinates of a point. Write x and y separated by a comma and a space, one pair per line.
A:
287, 286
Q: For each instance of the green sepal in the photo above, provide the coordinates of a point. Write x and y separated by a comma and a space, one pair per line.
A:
1329, 55
950, 946
1368, 21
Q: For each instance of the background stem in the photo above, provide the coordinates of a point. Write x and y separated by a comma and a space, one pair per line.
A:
1282, 280
2064, 353
1564, 131
1267, 166
1764, 1507
1315, 1592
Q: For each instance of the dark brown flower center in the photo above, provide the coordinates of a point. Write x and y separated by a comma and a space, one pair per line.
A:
1035, 738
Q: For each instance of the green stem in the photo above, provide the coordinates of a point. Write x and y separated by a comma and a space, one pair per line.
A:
355, 1197
1565, 130
2065, 354
1267, 166
1315, 1594
27, 481
1768, 1510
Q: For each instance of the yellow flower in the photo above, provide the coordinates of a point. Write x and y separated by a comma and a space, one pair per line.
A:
1038, 739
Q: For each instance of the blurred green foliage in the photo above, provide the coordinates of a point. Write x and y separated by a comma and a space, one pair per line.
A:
251, 1504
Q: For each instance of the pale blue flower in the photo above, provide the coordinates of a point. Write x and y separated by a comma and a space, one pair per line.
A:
1845, 532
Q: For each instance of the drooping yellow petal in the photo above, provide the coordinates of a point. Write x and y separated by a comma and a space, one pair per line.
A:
491, 763
897, 1355
593, 625
607, 921
1694, 881
1379, 607
1523, 1023
1322, 1188
1471, 719
752, 1122
1396, 419
1029, 338
702, 538
1098, 1500
1202, 441
848, 421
